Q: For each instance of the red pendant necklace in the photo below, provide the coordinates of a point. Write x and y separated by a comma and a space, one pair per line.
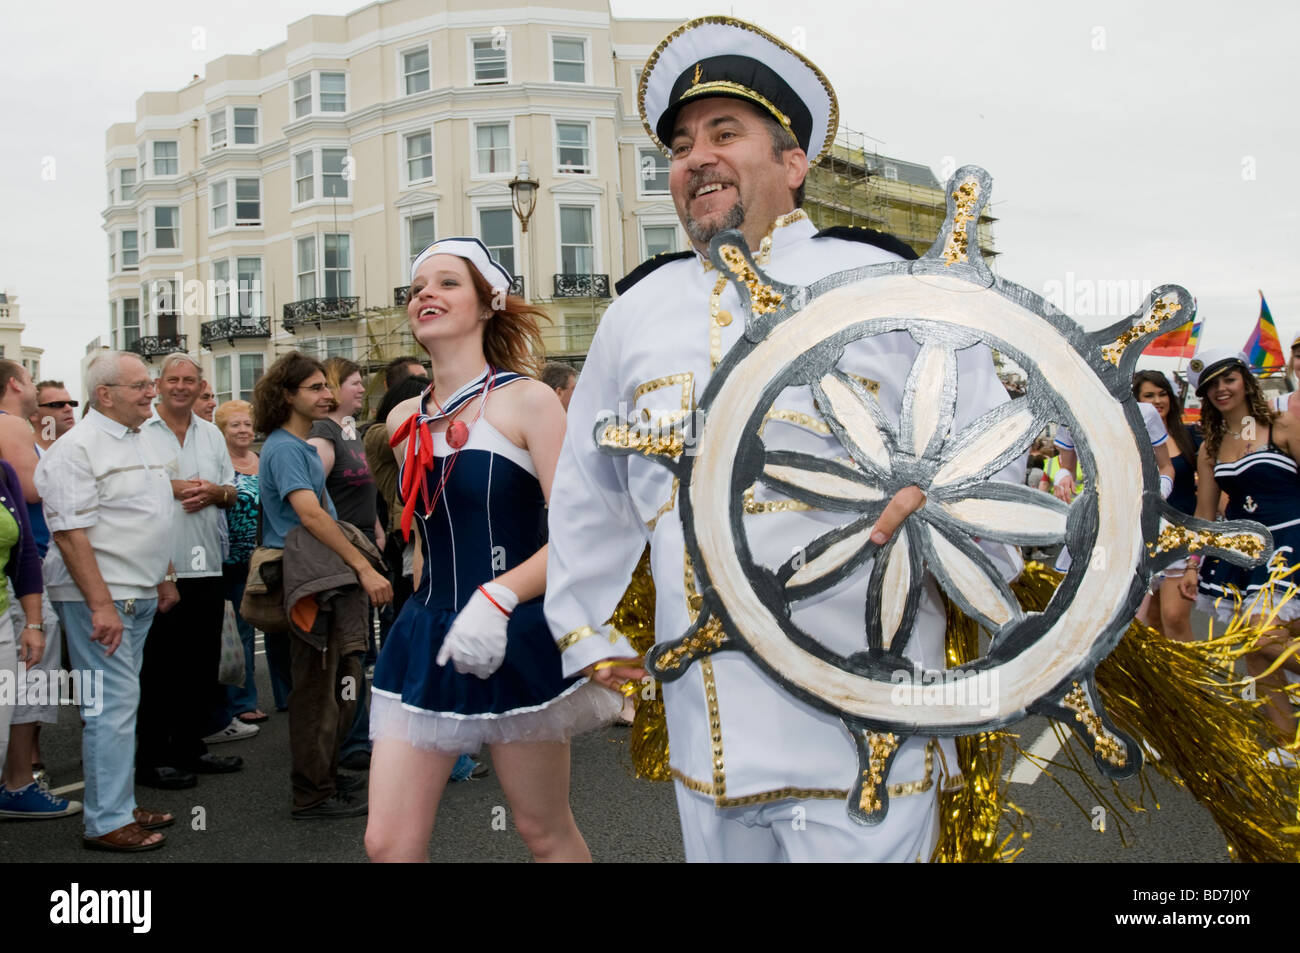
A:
457, 438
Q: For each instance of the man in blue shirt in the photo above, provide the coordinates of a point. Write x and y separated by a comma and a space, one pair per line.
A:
289, 397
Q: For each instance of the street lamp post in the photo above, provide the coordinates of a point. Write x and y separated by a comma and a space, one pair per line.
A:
523, 195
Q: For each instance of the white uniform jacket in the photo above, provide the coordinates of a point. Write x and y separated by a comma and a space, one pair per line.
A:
734, 734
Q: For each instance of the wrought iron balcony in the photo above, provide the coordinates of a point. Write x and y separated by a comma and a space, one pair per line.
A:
582, 286
228, 329
318, 310
158, 345
403, 294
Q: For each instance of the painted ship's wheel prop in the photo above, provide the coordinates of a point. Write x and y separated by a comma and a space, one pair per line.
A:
1118, 530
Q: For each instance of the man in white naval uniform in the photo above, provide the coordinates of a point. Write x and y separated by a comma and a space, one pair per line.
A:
760, 775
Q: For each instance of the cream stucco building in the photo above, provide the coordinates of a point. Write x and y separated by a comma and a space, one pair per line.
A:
277, 201
11, 337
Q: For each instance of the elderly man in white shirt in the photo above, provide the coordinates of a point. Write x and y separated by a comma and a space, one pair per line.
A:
182, 707
108, 505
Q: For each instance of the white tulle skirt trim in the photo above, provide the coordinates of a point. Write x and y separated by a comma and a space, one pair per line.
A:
582, 707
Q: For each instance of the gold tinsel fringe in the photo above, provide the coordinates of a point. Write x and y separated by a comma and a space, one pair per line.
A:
1182, 699
970, 816
635, 619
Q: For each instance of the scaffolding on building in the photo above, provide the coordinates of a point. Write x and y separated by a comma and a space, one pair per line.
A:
854, 185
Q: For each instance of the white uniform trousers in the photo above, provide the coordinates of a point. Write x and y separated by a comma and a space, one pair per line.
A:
806, 831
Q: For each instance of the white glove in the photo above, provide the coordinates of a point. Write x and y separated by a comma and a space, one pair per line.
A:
476, 641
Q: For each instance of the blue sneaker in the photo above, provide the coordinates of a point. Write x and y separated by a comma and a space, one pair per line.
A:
35, 803
466, 768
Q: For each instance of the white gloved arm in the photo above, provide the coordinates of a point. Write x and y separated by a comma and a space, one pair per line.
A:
476, 641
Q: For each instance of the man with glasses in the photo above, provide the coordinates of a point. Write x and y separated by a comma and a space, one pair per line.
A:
108, 503
21, 757
56, 412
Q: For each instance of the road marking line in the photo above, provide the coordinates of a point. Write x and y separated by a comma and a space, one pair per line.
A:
1045, 747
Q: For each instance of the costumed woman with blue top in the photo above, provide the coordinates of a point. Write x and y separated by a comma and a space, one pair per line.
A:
470, 659
1251, 453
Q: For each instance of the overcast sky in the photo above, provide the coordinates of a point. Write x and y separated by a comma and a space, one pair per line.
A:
1131, 144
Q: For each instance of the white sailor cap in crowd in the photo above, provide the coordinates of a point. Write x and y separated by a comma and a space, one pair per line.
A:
1210, 363
475, 252
1295, 341
723, 56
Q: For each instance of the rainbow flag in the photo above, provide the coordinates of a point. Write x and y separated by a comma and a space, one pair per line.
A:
1263, 349
1180, 342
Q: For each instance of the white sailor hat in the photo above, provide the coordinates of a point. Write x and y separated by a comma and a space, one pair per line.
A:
472, 250
1212, 362
723, 56
1295, 341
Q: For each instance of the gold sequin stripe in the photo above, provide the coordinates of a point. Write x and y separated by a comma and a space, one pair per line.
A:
954, 249
569, 640
902, 789
727, 86
832, 121
1104, 743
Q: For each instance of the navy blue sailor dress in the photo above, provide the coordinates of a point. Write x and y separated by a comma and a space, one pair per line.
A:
489, 518
1263, 486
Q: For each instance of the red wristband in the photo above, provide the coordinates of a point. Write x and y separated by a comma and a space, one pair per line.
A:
488, 597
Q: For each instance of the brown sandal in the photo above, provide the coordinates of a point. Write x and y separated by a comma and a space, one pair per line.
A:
130, 837
152, 820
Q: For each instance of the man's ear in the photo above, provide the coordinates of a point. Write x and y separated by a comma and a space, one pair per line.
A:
796, 167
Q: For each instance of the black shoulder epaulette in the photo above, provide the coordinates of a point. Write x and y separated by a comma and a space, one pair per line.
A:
647, 266
869, 236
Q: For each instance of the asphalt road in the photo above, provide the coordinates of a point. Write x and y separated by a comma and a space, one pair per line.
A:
244, 817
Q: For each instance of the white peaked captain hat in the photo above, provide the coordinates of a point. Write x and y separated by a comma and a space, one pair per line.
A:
723, 56
1211, 363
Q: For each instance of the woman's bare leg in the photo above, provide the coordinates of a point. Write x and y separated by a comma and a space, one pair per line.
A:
1175, 612
406, 784
535, 779
1277, 708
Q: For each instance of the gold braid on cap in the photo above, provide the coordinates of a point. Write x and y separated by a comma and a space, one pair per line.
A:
832, 120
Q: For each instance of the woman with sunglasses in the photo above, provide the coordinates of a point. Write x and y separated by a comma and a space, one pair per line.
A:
1167, 611
470, 659
1250, 453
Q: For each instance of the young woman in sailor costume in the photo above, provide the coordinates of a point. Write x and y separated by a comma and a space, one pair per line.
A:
470, 660
1252, 454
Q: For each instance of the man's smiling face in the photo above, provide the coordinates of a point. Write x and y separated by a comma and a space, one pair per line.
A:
726, 172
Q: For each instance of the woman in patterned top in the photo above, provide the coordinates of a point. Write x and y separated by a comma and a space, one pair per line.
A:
235, 420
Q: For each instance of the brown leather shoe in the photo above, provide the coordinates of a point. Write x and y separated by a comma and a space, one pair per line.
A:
128, 838
152, 820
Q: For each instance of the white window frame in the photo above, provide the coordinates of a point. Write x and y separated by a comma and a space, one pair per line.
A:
233, 366
112, 253
579, 201
299, 272
224, 131
659, 221
405, 170
153, 159
347, 92
415, 211
342, 174
234, 126
586, 57
294, 98
473, 66
590, 167
402, 74
234, 192
222, 288
475, 174
313, 103
123, 249
641, 190
221, 186
124, 344
489, 204
351, 269
318, 175
256, 297
298, 178
153, 227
